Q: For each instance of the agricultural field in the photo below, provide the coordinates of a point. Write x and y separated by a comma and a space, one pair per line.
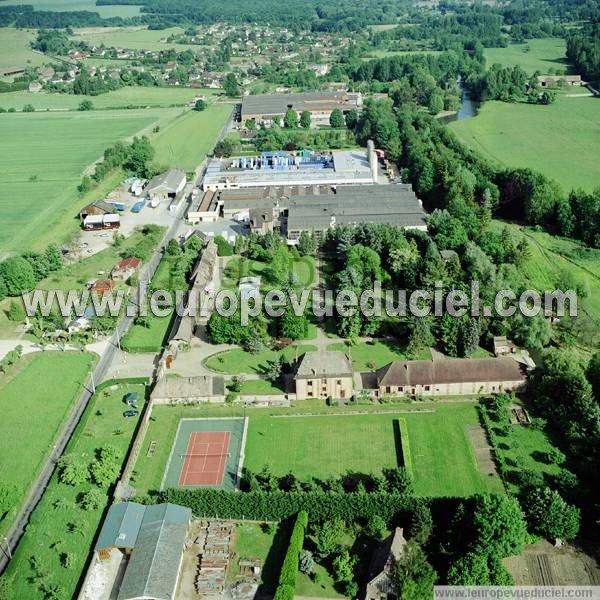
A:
60, 527
134, 96
43, 156
90, 5
33, 415
561, 140
545, 55
134, 38
187, 140
15, 50
324, 445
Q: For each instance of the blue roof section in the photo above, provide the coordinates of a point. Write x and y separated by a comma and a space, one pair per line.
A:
121, 526
153, 568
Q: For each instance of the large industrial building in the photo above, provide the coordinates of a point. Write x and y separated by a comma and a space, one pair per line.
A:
263, 108
305, 167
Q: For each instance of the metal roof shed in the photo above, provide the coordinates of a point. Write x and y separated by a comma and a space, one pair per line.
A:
153, 569
121, 526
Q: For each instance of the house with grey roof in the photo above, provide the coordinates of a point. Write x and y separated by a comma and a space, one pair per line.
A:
145, 544
324, 374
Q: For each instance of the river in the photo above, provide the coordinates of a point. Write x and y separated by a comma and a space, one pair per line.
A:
468, 107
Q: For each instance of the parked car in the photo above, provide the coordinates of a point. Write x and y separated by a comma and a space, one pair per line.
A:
131, 413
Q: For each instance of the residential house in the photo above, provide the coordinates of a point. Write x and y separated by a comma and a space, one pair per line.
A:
502, 345
35, 87
125, 268
45, 74
324, 374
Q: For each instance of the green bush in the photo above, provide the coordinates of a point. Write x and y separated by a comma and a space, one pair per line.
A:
278, 505
289, 569
223, 246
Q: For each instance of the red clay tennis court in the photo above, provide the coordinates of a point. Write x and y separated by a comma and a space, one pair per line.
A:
205, 458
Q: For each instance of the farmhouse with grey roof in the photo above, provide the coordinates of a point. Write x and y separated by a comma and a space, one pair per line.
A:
448, 377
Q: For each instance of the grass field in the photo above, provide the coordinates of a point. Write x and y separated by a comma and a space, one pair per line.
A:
59, 525
68, 5
134, 38
552, 260
33, 414
561, 140
187, 140
42, 158
15, 50
542, 55
443, 461
254, 541
239, 361
121, 98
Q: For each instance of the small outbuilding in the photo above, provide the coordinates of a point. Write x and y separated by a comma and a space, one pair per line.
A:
125, 268
167, 185
99, 207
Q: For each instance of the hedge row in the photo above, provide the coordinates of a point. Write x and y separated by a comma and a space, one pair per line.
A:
279, 505
406, 456
289, 570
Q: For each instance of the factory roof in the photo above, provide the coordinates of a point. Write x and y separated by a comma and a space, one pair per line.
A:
393, 204
278, 104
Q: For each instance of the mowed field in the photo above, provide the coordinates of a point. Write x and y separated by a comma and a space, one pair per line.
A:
323, 445
67, 5
15, 50
42, 157
122, 98
33, 414
542, 55
561, 140
134, 38
186, 140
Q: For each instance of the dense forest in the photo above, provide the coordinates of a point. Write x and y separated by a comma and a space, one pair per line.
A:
583, 50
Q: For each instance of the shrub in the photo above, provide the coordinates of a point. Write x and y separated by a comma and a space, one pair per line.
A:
289, 569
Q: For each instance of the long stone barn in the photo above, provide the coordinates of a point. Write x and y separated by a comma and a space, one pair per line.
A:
447, 377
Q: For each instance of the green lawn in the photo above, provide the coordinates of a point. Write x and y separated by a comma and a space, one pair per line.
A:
15, 50
544, 55
303, 270
187, 140
42, 158
49, 533
254, 541
238, 361
377, 354
328, 445
121, 98
260, 386
561, 140
34, 414
142, 338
